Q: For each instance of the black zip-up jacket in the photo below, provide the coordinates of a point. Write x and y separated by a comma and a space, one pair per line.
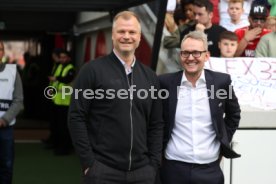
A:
122, 133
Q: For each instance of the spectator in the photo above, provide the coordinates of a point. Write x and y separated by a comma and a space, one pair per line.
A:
224, 15
11, 103
262, 2
235, 11
250, 36
49, 142
62, 79
203, 10
228, 44
267, 45
173, 40
187, 8
179, 17
270, 23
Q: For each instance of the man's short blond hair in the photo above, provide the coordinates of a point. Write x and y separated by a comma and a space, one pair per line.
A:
126, 15
197, 35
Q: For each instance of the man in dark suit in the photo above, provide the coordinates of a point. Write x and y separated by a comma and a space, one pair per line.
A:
202, 113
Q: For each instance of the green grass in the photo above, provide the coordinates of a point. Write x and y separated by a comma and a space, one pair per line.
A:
35, 165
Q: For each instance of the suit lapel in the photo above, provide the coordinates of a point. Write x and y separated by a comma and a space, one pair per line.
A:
210, 83
173, 97
212, 88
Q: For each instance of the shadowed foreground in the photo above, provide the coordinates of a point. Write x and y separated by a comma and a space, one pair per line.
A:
35, 165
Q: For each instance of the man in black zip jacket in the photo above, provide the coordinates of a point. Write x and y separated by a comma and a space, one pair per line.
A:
115, 116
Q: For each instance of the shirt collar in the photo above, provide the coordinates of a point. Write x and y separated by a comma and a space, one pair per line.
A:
123, 62
201, 79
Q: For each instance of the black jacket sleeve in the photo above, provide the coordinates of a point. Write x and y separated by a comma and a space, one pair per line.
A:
78, 117
155, 130
232, 111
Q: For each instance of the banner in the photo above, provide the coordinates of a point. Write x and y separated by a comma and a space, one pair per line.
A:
254, 79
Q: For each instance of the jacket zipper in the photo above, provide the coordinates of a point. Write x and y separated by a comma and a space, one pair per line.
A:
131, 121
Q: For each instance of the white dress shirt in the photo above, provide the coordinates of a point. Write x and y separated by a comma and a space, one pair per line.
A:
193, 138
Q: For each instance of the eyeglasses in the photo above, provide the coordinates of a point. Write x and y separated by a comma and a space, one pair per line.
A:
195, 54
262, 20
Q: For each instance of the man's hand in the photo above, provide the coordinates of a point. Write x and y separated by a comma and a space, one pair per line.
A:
252, 34
169, 23
200, 27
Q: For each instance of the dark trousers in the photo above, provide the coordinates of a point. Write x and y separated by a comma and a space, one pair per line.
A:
52, 139
100, 173
6, 155
176, 172
62, 137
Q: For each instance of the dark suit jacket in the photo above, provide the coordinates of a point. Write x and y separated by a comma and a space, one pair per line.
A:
225, 112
